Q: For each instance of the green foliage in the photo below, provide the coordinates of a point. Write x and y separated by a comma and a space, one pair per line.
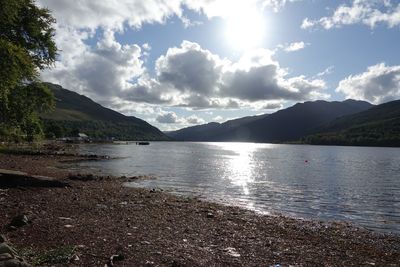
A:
100, 130
26, 46
59, 255
21, 121
28, 27
379, 126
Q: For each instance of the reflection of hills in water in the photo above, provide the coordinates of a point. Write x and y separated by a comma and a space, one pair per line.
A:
359, 184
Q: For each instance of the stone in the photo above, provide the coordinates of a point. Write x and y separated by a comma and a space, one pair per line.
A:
74, 258
19, 221
210, 215
14, 263
6, 256
4, 248
65, 218
232, 252
115, 258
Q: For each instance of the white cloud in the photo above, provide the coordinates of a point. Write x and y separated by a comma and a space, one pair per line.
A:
277, 4
187, 23
307, 23
327, 71
292, 47
196, 78
367, 12
189, 69
193, 119
225, 8
104, 70
379, 84
146, 46
112, 14
88, 14
218, 119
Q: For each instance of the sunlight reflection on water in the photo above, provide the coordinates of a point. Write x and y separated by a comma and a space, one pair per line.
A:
342, 183
239, 169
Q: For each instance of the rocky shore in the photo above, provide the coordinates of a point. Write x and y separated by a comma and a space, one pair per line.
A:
96, 221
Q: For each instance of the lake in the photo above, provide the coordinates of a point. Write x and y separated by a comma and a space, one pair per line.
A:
357, 184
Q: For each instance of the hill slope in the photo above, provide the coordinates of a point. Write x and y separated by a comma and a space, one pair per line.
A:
282, 126
299, 120
210, 131
378, 126
75, 112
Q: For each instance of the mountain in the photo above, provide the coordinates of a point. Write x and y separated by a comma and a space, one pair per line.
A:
378, 126
78, 113
285, 125
210, 131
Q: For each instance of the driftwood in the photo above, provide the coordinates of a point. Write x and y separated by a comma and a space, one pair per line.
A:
9, 179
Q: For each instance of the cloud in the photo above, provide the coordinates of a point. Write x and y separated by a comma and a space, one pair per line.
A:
89, 14
147, 90
276, 5
225, 8
170, 117
206, 81
266, 80
187, 23
146, 46
189, 69
379, 84
370, 13
292, 47
273, 105
327, 71
104, 70
167, 117
195, 120
218, 119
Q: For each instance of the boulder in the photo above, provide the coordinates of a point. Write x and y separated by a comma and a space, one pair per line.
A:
9, 256
18, 221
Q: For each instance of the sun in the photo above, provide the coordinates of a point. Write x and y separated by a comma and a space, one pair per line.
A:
245, 28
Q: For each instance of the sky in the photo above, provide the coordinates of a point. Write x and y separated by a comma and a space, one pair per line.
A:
179, 63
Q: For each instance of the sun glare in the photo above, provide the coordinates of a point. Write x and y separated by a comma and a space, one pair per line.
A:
245, 28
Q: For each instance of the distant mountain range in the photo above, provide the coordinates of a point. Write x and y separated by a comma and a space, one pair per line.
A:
77, 113
349, 122
287, 125
212, 131
378, 126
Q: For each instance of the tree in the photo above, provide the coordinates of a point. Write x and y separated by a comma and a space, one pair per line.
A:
26, 47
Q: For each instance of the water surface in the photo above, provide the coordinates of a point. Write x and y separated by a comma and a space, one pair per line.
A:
357, 184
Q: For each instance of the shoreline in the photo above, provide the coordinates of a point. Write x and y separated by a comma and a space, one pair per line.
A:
97, 218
